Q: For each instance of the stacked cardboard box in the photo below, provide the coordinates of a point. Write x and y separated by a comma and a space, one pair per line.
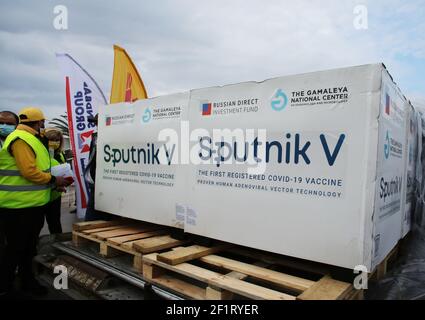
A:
314, 166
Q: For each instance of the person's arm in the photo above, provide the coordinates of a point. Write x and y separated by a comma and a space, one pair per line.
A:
25, 161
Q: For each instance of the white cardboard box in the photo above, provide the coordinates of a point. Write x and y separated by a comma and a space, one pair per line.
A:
141, 189
410, 171
330, 192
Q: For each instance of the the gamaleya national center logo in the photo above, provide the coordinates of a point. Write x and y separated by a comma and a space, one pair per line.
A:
392, 147
147, 115
387, 145
279, 100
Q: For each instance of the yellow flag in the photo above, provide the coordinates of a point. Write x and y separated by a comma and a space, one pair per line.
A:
127, 86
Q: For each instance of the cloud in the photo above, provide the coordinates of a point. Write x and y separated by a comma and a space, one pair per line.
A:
189, 44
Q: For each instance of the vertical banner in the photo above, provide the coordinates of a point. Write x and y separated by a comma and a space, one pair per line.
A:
83, 98
127, 85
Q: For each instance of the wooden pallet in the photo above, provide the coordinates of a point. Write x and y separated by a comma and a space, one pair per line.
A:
219, 271
199, 272
385, 265
124, 237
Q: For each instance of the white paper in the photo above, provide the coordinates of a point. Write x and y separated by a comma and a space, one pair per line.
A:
62, 170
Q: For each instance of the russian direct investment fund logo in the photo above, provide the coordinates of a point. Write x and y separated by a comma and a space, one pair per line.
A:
279, 100
387, 146
206, 109
108, 121
147, 115
387, 104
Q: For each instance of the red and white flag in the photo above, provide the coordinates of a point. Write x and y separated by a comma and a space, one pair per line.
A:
83, 98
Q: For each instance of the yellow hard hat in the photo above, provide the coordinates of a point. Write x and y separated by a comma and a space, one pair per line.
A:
31, 114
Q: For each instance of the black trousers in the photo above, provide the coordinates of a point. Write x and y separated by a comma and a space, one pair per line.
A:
53, 216
21, 228
2, 240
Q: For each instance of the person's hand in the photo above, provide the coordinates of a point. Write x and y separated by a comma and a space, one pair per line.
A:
60, 189
70, 180
63, 182
60, 182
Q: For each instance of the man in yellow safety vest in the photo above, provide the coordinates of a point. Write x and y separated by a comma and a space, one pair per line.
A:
25, 188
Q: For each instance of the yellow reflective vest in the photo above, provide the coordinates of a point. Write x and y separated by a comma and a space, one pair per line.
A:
16, 191
56, 194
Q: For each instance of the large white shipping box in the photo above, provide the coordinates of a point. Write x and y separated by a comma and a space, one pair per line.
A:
334, 194
136, 176
410, 170
314, 167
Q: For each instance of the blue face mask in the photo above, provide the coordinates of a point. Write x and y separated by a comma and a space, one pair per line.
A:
6, 129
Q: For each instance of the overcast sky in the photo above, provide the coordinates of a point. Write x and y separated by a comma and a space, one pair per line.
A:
182, 45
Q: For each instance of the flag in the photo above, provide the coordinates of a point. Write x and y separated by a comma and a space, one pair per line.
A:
83, 99
127, 86
387, 104
206, 109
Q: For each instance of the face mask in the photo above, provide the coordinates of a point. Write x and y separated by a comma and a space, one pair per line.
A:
54, 145
6, 129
